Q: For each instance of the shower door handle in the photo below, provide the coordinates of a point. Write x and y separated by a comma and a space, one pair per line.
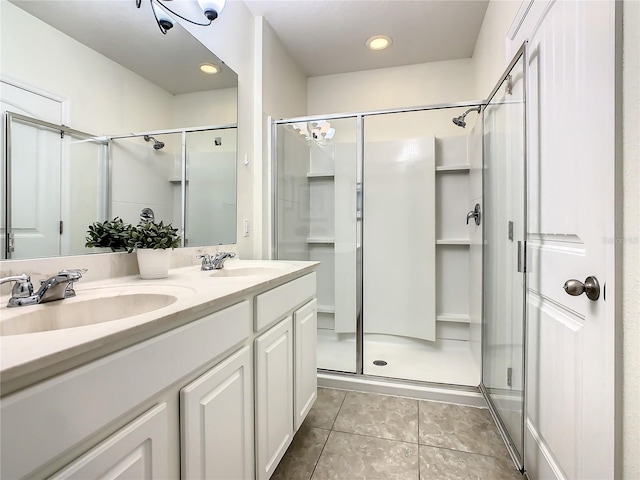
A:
591, 287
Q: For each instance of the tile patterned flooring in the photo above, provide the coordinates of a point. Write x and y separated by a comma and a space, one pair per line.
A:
352, 435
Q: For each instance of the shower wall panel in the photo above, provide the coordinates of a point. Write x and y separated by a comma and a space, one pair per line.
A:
400, 233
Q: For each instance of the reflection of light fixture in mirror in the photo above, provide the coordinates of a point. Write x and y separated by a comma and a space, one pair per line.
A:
209, 68
210, 8
379, 42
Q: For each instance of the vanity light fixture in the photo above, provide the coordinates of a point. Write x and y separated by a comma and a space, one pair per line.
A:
211, 9
379, 42
209, 68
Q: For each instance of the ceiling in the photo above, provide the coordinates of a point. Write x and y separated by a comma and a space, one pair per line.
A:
130, 37
328, 36
323, 36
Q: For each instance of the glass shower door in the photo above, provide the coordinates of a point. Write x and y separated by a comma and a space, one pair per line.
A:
504, 254
316, 185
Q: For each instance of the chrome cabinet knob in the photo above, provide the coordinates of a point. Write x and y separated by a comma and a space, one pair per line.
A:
591, 287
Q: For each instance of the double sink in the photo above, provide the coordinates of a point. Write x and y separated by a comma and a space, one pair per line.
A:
96, 305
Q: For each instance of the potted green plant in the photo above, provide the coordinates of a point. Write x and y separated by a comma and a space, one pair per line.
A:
108, 235
152, 242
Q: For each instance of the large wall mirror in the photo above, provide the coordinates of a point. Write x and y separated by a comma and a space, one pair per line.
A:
105, 116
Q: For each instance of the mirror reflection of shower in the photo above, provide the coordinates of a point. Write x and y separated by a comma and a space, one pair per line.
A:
157, 145
459, 121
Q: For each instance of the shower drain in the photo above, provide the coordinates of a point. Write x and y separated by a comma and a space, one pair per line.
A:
379, 363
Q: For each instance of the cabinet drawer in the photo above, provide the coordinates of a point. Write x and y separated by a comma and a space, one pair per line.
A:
275, 304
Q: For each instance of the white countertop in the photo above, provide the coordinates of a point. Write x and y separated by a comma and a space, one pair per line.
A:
28, 358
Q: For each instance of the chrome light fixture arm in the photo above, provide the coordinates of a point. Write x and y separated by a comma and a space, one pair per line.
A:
165, 24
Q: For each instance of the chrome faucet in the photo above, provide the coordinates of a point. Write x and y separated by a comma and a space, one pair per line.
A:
57, 287
215, 262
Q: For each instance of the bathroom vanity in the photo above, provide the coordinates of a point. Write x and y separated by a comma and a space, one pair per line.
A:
213, 384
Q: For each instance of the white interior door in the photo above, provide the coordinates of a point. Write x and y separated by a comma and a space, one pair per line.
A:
35, 174
570, 387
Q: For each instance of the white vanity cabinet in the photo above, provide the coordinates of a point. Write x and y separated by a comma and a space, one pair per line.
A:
219, 397
305, 321
274, 396
216, 421
139, 450
286, 367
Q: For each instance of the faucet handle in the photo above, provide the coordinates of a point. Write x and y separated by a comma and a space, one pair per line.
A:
22, 287
206, 261
73, 273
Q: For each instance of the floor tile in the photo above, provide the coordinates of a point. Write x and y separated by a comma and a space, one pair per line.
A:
444, 464
381, 416
355, 457
325, 409
461, 428
303, 454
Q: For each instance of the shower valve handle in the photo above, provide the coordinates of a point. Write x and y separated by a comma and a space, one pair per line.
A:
475, 214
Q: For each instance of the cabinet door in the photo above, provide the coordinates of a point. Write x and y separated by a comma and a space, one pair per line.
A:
305, 321
216, 421
274, 396
138, 451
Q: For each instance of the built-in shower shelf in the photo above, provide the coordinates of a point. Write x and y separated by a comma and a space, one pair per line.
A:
326, 309
453, 168
453, 241
453, 317
312, 176
321, 240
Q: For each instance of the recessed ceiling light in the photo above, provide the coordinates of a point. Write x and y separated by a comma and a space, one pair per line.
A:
379, 42
209, 68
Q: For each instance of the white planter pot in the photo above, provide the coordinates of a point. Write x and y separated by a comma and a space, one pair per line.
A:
153, 263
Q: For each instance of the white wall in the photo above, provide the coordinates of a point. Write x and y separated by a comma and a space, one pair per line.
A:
490, 54
410, 85
199, 109
104, 97
631, 240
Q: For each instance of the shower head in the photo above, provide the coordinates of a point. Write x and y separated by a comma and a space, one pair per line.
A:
157, 145
459, 121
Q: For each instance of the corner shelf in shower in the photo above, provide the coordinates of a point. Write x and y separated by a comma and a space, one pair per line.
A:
326, 176
453, 241
453, 317
326, 309
321, 240
453, 168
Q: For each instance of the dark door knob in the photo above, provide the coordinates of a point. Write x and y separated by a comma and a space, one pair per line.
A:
590, 286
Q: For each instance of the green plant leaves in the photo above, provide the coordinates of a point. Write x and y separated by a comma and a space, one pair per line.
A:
120, 236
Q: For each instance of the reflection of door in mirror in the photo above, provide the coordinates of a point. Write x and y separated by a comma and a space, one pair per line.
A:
35, 182
57, 180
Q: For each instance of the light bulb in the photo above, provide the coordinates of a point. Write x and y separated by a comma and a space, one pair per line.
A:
212, 8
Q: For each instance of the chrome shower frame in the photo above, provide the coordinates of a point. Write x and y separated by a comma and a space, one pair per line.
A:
360, 380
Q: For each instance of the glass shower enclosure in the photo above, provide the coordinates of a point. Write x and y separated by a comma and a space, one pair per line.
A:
504, 255
380, 199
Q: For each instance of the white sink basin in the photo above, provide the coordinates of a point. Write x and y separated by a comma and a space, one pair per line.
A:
87, 308
249, 268
244, 272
